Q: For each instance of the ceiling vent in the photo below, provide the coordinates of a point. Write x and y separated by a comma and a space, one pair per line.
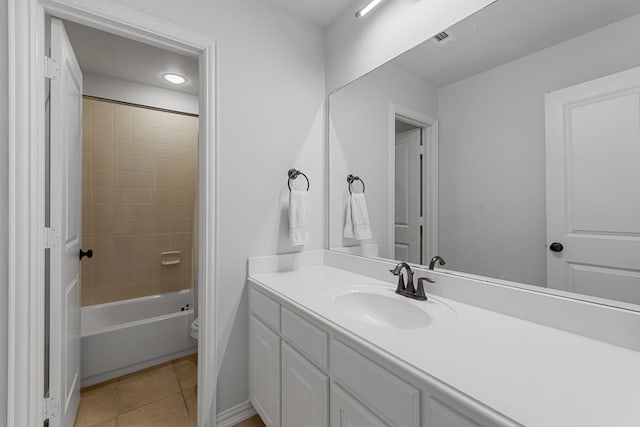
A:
442, 39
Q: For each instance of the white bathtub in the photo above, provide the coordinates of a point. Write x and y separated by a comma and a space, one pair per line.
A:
125, 336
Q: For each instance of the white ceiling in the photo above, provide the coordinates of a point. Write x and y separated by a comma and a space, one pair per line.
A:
109, 55
320, 12
500, 33
508, 30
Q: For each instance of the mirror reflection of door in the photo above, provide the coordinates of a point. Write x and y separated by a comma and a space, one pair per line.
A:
593, 183
408, 193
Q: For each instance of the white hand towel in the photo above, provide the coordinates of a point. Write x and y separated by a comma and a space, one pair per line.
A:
299, 210
357, 219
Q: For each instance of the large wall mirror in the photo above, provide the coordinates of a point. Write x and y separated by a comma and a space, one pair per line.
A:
508, 144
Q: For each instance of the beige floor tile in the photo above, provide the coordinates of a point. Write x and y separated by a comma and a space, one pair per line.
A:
251, 422
97, 405
168, 412
107, 423
187, 373
193, 357
142, 390
191, 399
146, 371
136, 395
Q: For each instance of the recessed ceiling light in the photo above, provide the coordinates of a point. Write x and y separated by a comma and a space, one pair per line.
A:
174, 78
367, 8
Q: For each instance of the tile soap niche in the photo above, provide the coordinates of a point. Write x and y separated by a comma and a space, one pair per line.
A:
170, 258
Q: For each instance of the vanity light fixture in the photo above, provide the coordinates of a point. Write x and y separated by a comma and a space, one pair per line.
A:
367, 8
174, 78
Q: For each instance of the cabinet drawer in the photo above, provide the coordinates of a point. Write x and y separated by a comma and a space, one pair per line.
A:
310, 340
265, 308
392, 399
443, 414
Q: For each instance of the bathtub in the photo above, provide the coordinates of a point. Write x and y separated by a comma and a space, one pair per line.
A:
125, 336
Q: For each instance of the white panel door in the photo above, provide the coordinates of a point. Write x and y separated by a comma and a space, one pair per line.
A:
407, 197
593, 187
264, 372
305, 392
346, 411
66, 220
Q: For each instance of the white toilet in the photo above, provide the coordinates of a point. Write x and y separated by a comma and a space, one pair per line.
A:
194, 329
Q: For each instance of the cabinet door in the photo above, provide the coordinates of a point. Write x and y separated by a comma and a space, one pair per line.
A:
264, 372
305, 391
346, 411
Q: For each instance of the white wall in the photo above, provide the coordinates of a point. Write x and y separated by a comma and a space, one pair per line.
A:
136, 93
271, 86
492, 148
359, 144
357, 46
4, 176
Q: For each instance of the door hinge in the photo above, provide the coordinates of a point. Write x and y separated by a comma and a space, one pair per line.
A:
421, 221
51, 238
421, 150
50, 408
51, 68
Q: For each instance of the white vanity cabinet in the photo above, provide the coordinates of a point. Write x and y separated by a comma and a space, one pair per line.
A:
305, 391
305, 373
346, 411
264, 371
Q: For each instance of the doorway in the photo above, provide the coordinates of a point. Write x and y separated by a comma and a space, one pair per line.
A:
408, 198
122, 183
27, 216
413, 154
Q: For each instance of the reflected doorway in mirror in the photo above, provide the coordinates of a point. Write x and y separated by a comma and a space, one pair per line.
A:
413, 189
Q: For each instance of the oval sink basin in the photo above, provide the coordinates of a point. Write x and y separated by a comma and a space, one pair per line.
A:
382, 310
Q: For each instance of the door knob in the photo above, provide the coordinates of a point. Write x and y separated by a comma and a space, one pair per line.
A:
556, 247
88, 254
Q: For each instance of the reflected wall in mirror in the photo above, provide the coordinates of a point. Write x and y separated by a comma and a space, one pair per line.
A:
509, 144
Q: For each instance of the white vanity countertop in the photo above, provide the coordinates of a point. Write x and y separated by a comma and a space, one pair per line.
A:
534, 374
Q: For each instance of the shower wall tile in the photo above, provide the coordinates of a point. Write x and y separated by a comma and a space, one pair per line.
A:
123, 113
123, 130
123, 146
139, 188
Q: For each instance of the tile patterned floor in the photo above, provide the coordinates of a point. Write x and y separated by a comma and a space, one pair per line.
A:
160, 396
163, 395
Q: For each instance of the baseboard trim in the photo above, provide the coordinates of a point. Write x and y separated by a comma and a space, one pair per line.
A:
235, 415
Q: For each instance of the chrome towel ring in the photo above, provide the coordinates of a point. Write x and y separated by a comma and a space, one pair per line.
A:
293, 174
351, 178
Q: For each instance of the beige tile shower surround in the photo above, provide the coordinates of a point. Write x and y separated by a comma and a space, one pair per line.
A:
139, 183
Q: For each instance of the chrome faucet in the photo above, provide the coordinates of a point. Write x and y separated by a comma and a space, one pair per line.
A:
435, 259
